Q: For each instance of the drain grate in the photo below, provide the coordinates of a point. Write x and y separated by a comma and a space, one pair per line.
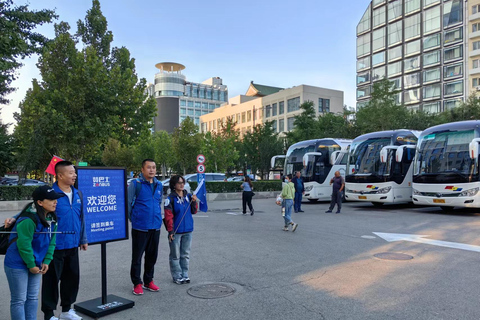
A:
211, 291
393, 256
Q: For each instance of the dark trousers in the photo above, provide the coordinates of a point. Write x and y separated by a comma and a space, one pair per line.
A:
247, 199
144, 242
336, 199
297, 204
65, 268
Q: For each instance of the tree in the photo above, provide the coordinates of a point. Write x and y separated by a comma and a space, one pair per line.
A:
305, 124
382, 112
164, 152
187, 144
116, 155
7, 160
18, 40
469, 110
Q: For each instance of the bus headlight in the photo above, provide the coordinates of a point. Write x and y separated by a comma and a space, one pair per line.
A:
308, 188
416, 192
348, 190
384, 190
469, 192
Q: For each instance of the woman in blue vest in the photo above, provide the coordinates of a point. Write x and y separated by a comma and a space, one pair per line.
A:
179, 208
30, 252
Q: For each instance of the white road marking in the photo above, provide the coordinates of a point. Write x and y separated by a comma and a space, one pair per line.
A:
368, 237
390, 237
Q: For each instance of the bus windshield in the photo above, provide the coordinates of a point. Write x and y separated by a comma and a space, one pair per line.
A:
365, 156
294, 160
445, 154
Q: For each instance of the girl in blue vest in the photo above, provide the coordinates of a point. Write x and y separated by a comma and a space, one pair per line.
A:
179, 207
30, 252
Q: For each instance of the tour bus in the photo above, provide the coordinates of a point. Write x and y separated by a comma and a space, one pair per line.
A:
277, 165
379, 167
446, 166
317, 160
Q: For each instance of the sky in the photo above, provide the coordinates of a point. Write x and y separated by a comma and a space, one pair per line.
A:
272, 42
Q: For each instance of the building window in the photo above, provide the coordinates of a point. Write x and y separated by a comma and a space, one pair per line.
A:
274, 125
433, 107
453, 36
293, 104
450, 104
475, 27
363, 63
249, 116
204, 105
201, 92
411, 80
476, 63
198, 113
379, 16
452, 71
431, 75
394, 10
411, 64
183, 103
363, 77
323, 105
190, 104
274, 109
363, 92
378, 58
453, 88
378, 73
395, 53
281, 107
243, 117
290, 123
412, 26
221, 95
412, 48
183, 111
431, 20
395, 33
394, 68
396, 83
209, 93
475, 82
197, 104
431, 58
211, 106
452, 13
453, 53
411, 96
476, 9
432, 92
281, 125
411, 6
431, 42
363, 45
195, 91
268, 111
427, 3
190, 112
364, 24
476, 45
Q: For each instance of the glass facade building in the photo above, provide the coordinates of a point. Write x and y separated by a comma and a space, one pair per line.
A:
419, 45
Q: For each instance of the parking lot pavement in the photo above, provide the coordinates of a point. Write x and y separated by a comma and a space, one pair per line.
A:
326, 269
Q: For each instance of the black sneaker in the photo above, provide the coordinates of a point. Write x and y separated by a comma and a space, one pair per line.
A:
251, 213
338, 211
328, 211
301, 211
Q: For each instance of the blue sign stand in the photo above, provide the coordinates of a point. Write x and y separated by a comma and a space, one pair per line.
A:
105, 209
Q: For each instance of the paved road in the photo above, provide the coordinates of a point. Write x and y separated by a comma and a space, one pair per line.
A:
325, 270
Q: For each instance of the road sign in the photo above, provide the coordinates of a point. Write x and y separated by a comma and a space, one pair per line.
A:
82, 164
200, 168
201, 158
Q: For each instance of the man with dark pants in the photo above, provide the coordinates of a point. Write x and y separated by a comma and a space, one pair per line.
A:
145, 200
299, 191
337, 192
65, 267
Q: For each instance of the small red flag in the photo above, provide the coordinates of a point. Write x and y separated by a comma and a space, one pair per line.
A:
51, 167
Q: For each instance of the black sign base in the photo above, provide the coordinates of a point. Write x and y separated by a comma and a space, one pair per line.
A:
95, 308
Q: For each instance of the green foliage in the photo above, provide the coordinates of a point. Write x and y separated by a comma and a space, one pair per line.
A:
234, 186
7, 160
187, 144
12, 193
116, 155
305, 124
164, 153
18, 40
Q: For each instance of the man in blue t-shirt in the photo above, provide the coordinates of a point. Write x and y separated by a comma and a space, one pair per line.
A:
299, 191
337, 192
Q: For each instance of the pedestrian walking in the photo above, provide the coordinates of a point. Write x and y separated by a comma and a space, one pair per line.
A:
179, 208
145, 212
299, 191
247, 195
31, 251
288, 193
337, 192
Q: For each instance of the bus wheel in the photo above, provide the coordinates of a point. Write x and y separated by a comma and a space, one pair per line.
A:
378, 204
447, 209
313, 200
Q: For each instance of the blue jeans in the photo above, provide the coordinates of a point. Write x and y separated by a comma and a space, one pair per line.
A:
24, 288
180, 255
288, 211
297, 205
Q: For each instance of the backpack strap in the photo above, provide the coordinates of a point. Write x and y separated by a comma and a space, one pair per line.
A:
138, 189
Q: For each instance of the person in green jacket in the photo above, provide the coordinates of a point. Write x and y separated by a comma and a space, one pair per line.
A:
30, 252
288, 194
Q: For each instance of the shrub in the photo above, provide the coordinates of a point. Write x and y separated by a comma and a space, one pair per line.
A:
12, 193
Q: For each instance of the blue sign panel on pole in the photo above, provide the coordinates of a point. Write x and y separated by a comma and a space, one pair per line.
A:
104, 203
200, 177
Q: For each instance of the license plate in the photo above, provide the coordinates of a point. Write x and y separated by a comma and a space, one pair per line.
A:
438, 200
362, 197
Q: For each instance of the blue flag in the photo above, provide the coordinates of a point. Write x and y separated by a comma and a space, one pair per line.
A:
201, 193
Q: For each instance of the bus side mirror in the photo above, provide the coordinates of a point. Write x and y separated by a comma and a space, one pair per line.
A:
383, 155
399, 154
334, 157
473, 148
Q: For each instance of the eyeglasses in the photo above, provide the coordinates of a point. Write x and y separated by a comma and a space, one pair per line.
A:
180, 182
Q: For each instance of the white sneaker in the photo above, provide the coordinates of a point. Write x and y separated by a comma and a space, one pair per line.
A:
70, 315
53, 318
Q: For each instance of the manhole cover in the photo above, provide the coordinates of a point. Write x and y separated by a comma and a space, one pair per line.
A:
211, 291
393, 256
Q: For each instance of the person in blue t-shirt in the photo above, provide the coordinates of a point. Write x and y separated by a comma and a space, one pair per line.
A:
247, 195
299, 191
